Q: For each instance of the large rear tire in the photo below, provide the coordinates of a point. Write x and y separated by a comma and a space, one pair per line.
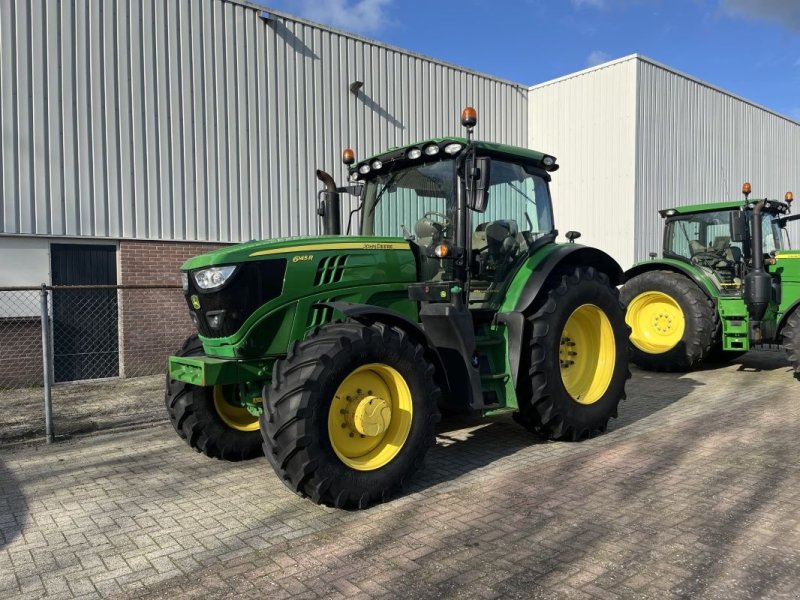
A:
673, 324
204, 419
791, 341
350, 414
577, 342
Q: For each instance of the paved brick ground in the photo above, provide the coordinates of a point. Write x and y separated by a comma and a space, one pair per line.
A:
81, 407
693, 493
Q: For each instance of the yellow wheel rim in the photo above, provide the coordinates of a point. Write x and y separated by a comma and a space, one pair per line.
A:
656, 321
233, 416
587, 354
370, 417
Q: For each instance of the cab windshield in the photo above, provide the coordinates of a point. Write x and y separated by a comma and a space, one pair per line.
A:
410, 201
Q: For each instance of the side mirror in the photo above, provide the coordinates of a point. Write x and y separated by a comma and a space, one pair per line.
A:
478, 180
738, 225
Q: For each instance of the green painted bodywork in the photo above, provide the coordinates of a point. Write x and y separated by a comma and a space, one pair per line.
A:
787, 267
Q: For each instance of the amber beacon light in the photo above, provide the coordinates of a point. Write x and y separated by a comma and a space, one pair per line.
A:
469, 117
348, 156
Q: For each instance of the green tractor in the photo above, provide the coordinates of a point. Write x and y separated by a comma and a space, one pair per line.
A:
726, 283
335, 355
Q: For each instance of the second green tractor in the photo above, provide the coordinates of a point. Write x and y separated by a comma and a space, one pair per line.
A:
335, 355
727, 282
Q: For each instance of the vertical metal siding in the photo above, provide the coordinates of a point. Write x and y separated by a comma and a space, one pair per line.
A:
698, 144
588, 121
183, 120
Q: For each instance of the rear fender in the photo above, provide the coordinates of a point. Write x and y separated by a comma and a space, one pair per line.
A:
555, 257
674, 266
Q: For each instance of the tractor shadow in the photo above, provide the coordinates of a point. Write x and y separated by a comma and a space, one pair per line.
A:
466, 443
762, 360
650, 393
13, 507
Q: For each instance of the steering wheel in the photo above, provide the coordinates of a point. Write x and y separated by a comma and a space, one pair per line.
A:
444, 221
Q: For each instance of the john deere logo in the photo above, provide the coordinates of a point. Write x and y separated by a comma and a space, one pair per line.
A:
195, 302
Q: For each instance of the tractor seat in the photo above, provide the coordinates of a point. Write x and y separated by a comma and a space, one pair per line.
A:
500, 237
721, 243
696, 247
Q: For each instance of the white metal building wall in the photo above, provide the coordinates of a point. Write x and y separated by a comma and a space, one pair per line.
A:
588, 121
201, 120
696, 143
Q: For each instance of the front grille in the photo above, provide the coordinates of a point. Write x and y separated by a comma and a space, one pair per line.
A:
252, 285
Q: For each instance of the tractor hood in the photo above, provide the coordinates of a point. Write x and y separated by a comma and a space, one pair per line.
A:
293, 248
246, 299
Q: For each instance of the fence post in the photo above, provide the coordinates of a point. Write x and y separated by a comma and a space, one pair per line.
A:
48, 398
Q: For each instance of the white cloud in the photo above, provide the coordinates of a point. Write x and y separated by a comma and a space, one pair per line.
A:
597, 57
589, 3
366, 16
783, 11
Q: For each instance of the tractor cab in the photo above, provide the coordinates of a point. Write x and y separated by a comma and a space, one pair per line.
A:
413, 192
715, 238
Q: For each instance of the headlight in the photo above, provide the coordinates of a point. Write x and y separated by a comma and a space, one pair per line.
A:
376, 164
414, 153
214, 277
453, 148
431, 149
548, 161
185, 281
364, 169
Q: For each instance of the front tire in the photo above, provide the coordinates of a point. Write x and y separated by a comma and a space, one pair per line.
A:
350, 414
673, 324
577, 342
791, 341
205, 420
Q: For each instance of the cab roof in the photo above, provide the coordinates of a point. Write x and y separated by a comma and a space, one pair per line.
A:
774, 205
400, 152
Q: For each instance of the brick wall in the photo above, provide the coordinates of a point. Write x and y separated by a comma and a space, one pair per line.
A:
153, 323
21, 354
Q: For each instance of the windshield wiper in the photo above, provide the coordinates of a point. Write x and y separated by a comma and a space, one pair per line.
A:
389, 182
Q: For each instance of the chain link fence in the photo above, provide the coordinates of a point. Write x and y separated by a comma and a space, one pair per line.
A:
104, 358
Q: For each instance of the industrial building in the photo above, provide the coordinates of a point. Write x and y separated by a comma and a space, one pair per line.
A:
139, 134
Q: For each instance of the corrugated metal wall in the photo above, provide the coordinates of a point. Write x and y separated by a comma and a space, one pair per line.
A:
698, 144
199, 120
588, 121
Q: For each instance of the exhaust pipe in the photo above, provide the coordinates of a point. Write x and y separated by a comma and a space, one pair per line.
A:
330, 205
757, 283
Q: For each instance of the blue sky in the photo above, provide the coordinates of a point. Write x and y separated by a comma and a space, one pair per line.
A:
749, 47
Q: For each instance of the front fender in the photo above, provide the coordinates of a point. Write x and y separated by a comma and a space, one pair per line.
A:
367, 314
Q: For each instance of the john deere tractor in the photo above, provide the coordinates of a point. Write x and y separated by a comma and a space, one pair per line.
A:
336, 354
725, 284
